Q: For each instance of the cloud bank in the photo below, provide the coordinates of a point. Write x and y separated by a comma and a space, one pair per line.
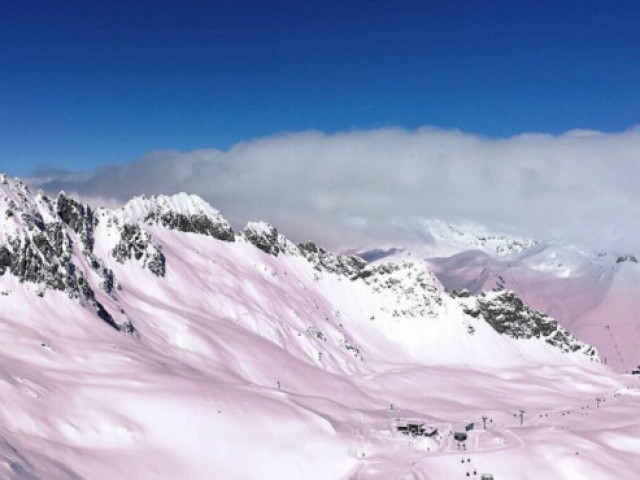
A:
363, 187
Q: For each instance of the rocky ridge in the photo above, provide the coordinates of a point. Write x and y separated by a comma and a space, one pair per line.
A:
509, 315
52, 245
182, 212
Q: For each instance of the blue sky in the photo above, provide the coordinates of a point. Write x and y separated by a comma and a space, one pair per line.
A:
89, 83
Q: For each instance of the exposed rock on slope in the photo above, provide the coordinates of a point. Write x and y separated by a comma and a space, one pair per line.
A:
78, 217
138, 244
348, 265
266, 238
38, 246
593, 294
509, 315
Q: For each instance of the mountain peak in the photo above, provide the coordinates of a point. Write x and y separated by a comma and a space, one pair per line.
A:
182, 211
140, 207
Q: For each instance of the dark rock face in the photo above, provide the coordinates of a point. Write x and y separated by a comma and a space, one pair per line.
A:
5, 259
137, 243
509, 315
347, 265
263, 236
194, 224
79, 217
44, 257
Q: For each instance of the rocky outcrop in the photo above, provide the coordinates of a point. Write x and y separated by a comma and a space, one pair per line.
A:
264, 236
78, 217
200, 224
43, 255
137, 244
509, 315
347, 265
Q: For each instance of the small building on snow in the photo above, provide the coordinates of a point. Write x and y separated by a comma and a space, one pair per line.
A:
415, 428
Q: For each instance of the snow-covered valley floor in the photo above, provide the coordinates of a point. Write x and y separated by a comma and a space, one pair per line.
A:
103, 406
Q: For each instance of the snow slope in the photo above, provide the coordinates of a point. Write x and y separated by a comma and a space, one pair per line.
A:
152, 342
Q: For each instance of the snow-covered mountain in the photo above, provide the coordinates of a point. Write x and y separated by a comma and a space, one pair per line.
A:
593, 294
439, 238
454, 237
152, 341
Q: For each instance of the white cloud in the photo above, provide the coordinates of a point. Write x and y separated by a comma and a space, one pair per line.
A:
354, 187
